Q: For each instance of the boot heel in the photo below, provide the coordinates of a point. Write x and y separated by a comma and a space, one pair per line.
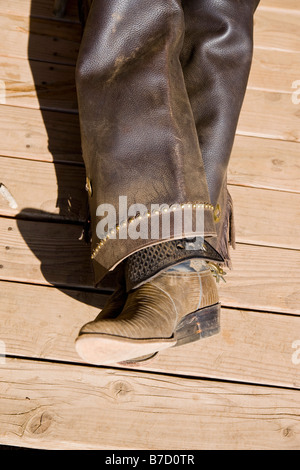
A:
199, 324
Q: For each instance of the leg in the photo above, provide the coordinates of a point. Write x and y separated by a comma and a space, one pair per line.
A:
138, 133
170, 307
216, 59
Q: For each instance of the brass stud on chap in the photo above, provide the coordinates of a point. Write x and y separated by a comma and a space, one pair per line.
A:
217, 213
88, 186
203, 205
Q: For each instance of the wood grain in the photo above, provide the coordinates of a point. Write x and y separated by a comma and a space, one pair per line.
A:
44, 190
266, 217
48, 135
43, 323
40, 39
235, 390
263, 278
276, 29
44, 253
57, 41
60, 407
282, 5
271, 115
36, 84
44, 8
40, 9
274, 70
255, 161
265, 163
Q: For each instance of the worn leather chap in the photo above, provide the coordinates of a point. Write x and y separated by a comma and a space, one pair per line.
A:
160, 87
216, 60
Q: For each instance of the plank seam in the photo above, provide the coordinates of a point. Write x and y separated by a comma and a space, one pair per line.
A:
152, 372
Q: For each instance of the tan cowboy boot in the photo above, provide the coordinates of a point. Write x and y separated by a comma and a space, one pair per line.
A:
111, 312
148, 264
173, 309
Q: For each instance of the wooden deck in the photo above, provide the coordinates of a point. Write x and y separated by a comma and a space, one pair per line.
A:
238, 390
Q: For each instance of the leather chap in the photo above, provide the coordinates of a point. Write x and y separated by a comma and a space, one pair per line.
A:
160, 87
216, 59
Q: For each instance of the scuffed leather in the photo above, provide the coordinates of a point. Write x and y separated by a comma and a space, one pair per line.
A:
146, 264
160, 87
216, 59
156, 308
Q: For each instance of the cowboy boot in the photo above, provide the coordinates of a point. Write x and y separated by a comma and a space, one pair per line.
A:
86, 336
175, 308
140, 72
112, 310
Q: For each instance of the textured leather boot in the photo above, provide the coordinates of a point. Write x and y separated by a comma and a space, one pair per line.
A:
173, 309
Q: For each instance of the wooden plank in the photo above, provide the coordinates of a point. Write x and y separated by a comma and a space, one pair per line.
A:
282, 4
263, 278
40, 9
52, 253
44, 8
252, 346
45, 330
56, 41
57, 406
274, 70
47, 135
264, 114
40, 39
43, 190
35, 84
246, 350
270, 115
51, 136
277, 29
262, 217
264, 163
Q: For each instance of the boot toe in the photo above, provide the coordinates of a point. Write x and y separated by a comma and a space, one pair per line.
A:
104, 349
